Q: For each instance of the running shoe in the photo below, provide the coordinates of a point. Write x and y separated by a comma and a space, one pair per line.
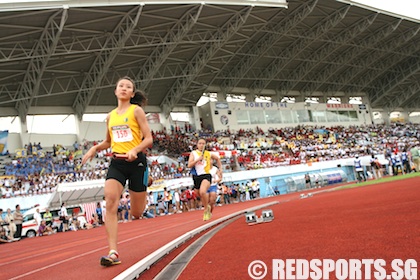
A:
206, 216
111, 259
207, 213
209, 210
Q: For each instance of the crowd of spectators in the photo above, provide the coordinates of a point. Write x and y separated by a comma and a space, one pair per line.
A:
38, 173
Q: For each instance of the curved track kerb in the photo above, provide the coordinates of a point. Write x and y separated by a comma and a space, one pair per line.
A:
134, 271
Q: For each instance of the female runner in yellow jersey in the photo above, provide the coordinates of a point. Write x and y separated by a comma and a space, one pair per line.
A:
128, 134
201, 161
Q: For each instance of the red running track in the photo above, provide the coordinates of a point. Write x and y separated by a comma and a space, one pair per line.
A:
75, 255
372, 222
367, 222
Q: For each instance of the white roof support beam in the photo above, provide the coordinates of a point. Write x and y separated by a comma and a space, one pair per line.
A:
376, 62
171, 40
349, 57
365, 81
104, 60
249, 44
202, 57
323, 53
405, 98
386, 85
297, 47
7, 6
264, 44
44, 47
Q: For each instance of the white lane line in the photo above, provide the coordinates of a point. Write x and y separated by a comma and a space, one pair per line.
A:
135, 270
49, 252
86, 253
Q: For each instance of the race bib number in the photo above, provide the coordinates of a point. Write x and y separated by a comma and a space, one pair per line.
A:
122, 133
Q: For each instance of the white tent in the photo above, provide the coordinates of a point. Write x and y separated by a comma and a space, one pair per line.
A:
162, 160
77, 193
25, 202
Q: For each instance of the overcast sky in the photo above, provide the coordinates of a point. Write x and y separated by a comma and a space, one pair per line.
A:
410, 8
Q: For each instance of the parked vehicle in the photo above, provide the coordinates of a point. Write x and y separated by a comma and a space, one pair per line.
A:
29, 225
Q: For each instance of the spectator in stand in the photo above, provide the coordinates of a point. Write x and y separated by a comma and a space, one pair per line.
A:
226, 195
405, 161
94, 221
43, 229
12, 226
83, 224
376, 167
255, 188
241, 190
167, 201
161, 210
73, 222
128, 216
308, 181
18, 219
2, 221
37, 217
184, 201
151, 203
103, 205
4, 238
396, 163
147, 214
190, 196
248, 190
124, 207
64, 217
415, 157
177, 199
99, 213
47, 217
56, 225
360, 174
195, 201
276, 190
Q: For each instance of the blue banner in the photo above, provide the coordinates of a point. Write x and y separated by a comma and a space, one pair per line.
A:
3, 141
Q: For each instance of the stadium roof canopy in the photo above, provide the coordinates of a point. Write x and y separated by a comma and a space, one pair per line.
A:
71, 53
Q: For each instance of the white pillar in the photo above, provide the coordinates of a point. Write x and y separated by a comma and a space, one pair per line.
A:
276, 98
221, 96
405, 116
322, 99
250, 97
366, 100
299, 98
345, 99
79, 138
195, 121
24, 135
386, 117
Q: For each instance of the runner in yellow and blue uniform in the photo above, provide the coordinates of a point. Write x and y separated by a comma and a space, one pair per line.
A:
200, 161
128, 135
216, 178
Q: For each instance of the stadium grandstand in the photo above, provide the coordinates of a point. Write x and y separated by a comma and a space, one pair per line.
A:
287, 83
